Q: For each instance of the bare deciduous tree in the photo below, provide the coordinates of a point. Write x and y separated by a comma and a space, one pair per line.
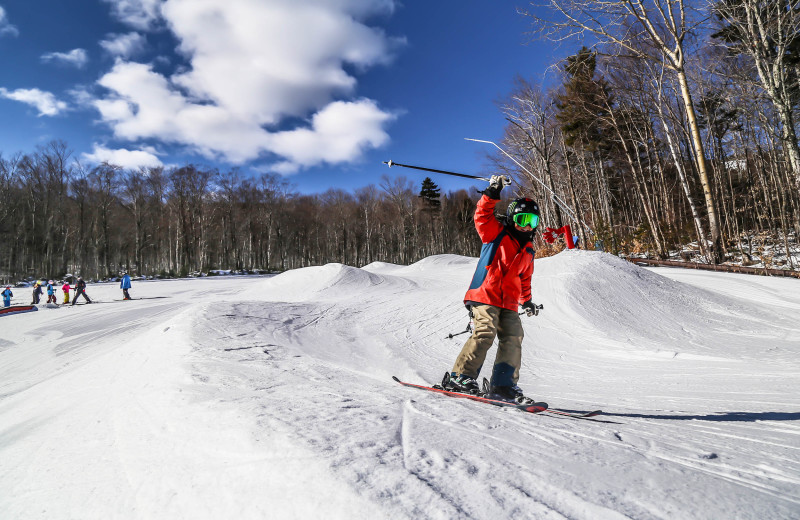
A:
768, 31
622, 24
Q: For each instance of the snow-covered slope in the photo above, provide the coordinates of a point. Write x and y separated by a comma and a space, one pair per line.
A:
271, 397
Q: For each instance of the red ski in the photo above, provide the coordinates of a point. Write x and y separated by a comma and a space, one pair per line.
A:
530, 408
16, 309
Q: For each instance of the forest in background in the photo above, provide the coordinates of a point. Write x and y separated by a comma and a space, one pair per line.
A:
678, 128
60, 219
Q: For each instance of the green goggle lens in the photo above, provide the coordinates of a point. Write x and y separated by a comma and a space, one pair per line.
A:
526, 220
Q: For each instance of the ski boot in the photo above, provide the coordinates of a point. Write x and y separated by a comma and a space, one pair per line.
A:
460, 383
512, 394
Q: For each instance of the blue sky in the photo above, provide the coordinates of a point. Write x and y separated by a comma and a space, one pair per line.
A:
321, 91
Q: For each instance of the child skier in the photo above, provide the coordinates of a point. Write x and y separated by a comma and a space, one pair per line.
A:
51, 292
125, 284
80, 290
7, 295
37, 291
502, 283
65, 289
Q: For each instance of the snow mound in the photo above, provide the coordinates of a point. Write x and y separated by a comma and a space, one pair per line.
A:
621, 300
382, 267
443, 262
330, 280
335, 280
442, 270
431, 266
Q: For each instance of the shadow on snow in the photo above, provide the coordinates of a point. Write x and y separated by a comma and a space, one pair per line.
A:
719, 417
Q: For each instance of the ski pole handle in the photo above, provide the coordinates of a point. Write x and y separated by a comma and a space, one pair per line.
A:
533, 313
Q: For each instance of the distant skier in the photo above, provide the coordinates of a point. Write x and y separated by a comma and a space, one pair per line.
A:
51, 292
37, 292
7, 295
65, 289
501, 283
80, 290
125, 284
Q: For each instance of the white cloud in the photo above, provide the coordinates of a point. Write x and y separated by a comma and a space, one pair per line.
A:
124, 45
144, 106
253, 64
5, 26
82, 97
76, 57
140, 14
339, 133
45, 102
269, 59
129, 159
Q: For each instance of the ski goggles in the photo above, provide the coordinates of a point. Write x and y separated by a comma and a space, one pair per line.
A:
526, 220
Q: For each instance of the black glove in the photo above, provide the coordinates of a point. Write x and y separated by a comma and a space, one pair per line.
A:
531, 309
496, 184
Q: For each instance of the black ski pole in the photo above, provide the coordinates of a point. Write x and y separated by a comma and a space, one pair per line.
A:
391, 163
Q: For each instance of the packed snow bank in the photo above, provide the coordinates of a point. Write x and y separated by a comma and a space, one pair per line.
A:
601, 294
313, 283
615, 299
116, 431
433, 265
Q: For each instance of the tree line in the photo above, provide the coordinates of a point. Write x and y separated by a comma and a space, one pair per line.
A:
58, 218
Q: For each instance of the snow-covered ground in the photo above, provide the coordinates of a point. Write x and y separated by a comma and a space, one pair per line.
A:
271, 397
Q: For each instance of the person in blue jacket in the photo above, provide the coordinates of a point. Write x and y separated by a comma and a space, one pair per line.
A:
51, 292
125, 284
7, 294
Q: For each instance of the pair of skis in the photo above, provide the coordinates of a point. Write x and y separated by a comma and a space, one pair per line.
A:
535, 407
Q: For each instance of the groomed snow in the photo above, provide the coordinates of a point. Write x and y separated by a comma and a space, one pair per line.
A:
271, 397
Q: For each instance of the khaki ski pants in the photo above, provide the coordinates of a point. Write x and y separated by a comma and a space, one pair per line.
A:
490, 321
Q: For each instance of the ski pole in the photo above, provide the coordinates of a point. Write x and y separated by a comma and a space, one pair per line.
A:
468, 329
391, 163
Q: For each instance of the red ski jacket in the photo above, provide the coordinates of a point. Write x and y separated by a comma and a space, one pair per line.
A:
503, 275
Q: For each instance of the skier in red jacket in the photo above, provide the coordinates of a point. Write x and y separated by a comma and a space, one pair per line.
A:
500, 285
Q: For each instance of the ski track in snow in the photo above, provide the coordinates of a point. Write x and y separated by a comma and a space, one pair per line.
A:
254, 397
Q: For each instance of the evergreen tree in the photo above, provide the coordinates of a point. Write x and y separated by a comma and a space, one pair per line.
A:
582, 109
583, 113
430, 195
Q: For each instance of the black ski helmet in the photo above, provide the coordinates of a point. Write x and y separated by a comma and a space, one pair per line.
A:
523, 205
